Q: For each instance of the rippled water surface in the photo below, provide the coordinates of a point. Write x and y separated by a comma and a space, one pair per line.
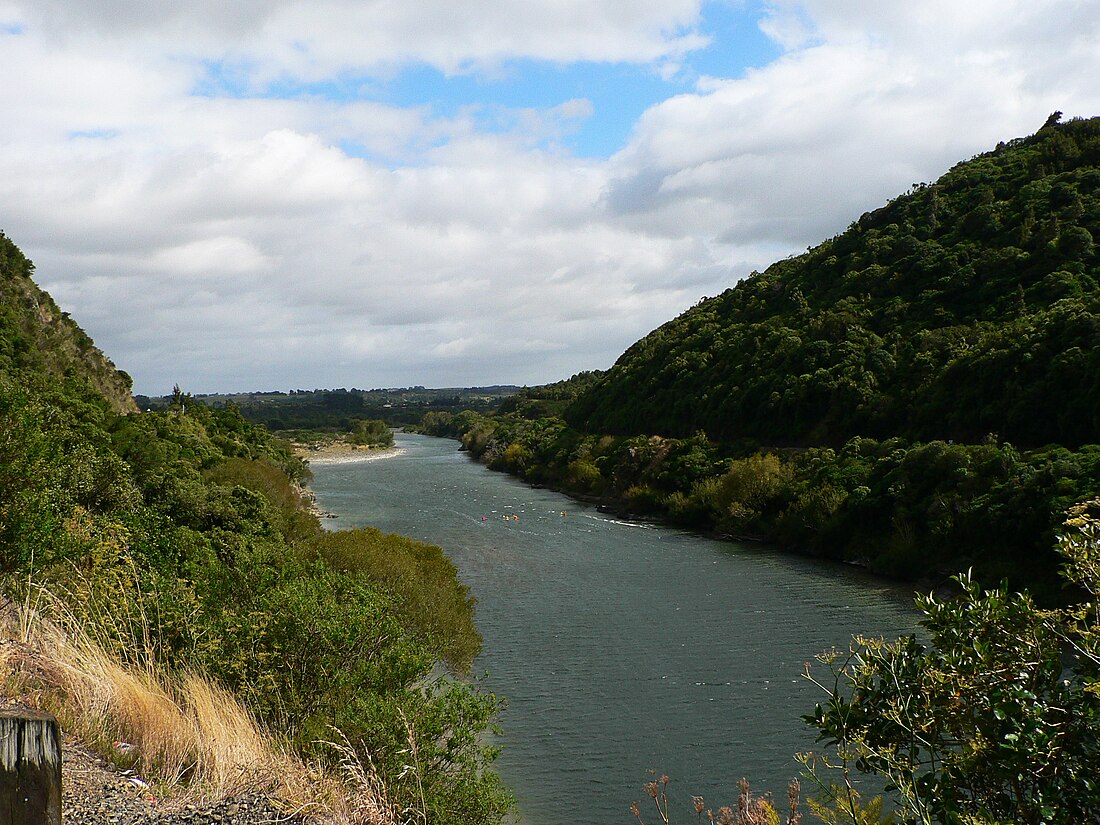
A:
621, 648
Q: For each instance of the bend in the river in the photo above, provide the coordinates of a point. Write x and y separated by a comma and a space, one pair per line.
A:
620, 647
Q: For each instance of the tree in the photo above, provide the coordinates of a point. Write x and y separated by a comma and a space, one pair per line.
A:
370, 432
996, 718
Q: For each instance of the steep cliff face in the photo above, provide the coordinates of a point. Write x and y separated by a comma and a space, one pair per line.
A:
38, 340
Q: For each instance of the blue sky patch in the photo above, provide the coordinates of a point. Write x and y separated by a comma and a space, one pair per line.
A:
619, 93
93, 134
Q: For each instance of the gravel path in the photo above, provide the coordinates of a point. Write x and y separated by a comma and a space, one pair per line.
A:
94, 793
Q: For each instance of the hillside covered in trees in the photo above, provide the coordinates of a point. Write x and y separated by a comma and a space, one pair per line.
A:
182, 543
42, 346
919, 394
965, 307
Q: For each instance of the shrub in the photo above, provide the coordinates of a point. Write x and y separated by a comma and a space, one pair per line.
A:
996, 717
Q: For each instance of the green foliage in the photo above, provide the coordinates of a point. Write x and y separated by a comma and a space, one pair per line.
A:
583, 476
288, 511
995, 717
750, 488
842, 805
437, 608
370, 432
48, 469
964, 307
443, 758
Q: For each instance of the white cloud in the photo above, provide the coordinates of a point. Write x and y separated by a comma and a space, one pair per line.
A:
870, 98
215, 257
273, 243
313, 40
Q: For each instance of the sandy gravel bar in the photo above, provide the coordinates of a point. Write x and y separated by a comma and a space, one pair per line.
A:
340, 453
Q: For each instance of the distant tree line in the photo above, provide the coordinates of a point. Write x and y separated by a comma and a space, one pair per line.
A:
338, 410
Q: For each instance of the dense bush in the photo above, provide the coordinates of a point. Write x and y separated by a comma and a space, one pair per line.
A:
370, 432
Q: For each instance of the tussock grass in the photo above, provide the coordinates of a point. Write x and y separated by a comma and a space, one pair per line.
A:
189, 737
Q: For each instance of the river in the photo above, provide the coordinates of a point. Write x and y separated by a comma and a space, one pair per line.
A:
622, 648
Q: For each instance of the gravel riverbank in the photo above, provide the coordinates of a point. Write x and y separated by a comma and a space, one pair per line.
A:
339, 452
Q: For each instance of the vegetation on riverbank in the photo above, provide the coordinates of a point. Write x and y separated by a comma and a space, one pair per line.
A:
180, 540
904, 509
993, 717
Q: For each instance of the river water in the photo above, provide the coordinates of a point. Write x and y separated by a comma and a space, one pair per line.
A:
621, 648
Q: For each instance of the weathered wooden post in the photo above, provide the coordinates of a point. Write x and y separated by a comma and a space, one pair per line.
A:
30, 768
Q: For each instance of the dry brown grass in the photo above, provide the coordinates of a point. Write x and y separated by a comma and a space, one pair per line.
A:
189, 737
751, 809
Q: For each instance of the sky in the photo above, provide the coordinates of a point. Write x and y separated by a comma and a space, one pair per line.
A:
300, 194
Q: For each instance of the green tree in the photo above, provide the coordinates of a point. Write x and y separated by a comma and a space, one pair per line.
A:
371, 432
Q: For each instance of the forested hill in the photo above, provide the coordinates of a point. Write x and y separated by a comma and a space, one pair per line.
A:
40, 343
963, 308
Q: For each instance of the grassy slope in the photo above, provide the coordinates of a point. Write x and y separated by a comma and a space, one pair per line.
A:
38, 339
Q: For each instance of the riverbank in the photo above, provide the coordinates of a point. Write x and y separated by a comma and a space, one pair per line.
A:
341, 452
336, 452
910, 511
